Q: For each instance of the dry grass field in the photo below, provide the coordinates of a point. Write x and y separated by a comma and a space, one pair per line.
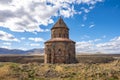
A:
89, 67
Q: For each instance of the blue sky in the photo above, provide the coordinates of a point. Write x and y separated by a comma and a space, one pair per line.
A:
94, 24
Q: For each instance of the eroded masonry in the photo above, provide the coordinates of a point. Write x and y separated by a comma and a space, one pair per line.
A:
59, 49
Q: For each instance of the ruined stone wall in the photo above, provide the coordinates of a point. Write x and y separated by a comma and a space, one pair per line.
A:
59, 49
60, 52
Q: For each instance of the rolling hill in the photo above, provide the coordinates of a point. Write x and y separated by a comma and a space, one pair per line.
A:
18, 51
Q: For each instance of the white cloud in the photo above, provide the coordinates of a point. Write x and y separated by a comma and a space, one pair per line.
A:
104, 36
8, 47
85, 37
5, 1
85, 17
7, 37
91, 26
27, 15
22, 38
37, 39
86, 1
7, 43
97, 40
21, 48
85, 9
112, 46
91, 1
83, 25
35, 45
91, 7
84, 46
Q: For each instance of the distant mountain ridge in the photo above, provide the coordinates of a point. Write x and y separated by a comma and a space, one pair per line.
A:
18, 51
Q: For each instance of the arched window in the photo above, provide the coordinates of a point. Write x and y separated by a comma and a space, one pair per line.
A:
59, 51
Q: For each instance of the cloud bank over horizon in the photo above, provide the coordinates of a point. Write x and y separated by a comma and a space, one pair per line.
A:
91, 46
24, 24
29, 15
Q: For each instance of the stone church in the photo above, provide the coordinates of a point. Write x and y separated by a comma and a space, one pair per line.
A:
59, 49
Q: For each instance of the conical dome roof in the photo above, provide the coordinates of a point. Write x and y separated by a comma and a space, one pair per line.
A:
60, 24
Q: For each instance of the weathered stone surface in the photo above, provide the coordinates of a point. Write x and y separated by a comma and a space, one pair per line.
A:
59, 49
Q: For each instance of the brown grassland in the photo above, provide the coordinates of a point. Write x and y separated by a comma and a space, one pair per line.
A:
89, 67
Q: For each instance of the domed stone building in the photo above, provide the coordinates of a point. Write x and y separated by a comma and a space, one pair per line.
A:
59, 49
